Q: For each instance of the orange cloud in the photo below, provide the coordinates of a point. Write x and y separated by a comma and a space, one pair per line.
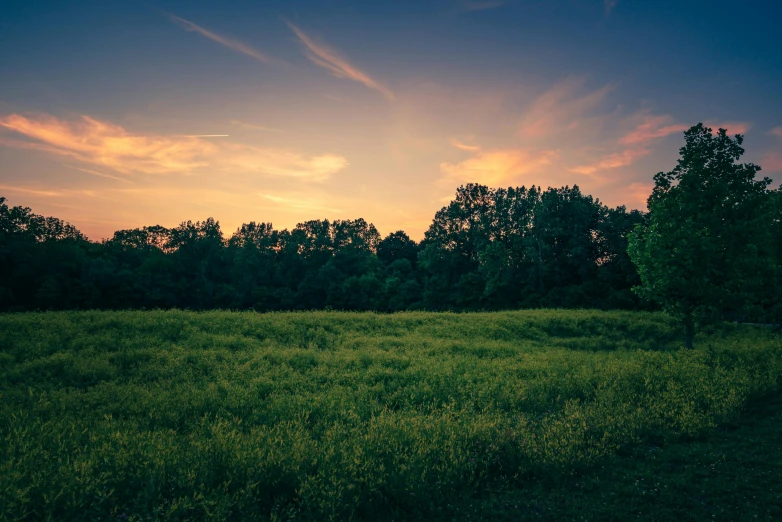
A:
99, 143
235, 45
560, 108
496, 167
612, 161
329, 59
102, 143
653, 127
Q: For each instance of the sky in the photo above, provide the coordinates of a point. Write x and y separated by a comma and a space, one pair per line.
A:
122, 114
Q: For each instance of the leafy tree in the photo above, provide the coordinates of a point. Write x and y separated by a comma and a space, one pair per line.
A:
768, 308
396, 246
616, 273
253, 251
705, 246
565, 231
201, 271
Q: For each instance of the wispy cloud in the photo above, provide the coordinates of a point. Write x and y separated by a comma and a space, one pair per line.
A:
284, 163
611, 161
484, 5
35, 192
608, 6
777, 131
331, 60
100, 143
497, 167
560, 108
232, 44
651, 128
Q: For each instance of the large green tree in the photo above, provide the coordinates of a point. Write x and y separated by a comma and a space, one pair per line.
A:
705, 249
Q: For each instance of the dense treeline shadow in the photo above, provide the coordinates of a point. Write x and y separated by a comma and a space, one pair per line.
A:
488, 249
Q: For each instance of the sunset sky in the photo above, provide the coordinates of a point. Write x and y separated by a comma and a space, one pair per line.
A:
117, 115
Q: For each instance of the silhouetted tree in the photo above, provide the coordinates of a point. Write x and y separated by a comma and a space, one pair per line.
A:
706, 244
396, 246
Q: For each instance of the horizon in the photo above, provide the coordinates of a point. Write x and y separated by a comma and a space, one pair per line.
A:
121, 116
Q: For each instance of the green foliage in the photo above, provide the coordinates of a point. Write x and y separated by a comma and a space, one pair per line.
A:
325, 415
489, 249
519, 247
707, 245
732, 473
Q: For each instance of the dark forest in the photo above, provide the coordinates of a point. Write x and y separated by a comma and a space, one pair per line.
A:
488, 249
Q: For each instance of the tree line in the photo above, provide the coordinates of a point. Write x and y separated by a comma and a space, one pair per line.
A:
488, 249
710, 243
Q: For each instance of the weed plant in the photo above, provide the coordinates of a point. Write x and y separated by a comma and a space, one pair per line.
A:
326, 415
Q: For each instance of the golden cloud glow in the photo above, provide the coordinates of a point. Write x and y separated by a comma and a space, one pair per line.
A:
330, 59
232, 44
612, 161
99, 143
92, 141
497, 167
402, 156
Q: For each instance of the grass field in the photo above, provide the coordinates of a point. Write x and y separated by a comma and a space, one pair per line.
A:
323, 415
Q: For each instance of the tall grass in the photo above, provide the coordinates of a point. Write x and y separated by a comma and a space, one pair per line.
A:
227, 415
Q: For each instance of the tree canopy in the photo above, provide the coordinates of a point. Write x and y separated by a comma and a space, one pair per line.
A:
706, 247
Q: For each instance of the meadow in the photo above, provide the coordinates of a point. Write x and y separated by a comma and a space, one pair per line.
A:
151, 415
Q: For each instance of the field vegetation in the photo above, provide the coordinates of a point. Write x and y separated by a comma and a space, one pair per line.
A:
337, 415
